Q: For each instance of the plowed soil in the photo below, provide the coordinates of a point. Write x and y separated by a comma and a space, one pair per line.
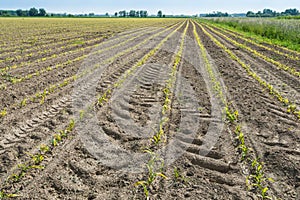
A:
130, 115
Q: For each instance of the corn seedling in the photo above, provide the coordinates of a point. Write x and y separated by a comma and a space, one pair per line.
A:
178, 176
153, 172
81, 114
232, 117
23, 102
3, 113
37, 159
4, 195
291, 108
44, 148
257, 178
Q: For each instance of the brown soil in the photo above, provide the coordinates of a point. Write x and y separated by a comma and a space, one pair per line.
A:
71, 171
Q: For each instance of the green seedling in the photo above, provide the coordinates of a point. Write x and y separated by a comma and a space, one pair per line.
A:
3, 113
178, 176
153, 172
71, 126
54, 142
291, 108
81, 114
4, 195
23, 102
44, 148
37, 159
232, 117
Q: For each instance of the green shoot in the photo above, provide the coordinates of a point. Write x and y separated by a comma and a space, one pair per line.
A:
3, 113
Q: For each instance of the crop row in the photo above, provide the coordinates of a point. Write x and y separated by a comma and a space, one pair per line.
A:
256, 178
170, 83
36, 159
65, 53
282, 32
49, 30
104, 97
69, 62
70, 43
41, 96
153, 171
291, 107
288, 55
284, 67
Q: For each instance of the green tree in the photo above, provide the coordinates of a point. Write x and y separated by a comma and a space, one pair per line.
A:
42, 12
250, 14
159, 13
33, 12
132, 13
19, 12
122, 13
143, 13
291, 11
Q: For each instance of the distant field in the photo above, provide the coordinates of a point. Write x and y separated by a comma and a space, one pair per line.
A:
148, 108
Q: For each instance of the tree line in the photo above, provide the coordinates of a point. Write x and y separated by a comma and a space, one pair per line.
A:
270, 13
136, 13
32, 12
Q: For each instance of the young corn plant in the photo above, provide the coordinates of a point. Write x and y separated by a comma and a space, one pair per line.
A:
242, 146
232, 117
3, 113
44, 148
4, 195
179, 177
257, 179
155, 167
23, 103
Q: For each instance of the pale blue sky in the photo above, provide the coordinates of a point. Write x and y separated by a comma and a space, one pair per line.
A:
152, 6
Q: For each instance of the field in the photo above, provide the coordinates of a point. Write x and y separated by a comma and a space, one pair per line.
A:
146, 109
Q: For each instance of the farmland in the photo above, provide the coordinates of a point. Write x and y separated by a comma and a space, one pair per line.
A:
146, 108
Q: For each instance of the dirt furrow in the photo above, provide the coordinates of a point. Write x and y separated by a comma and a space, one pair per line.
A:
262, 125
287, 85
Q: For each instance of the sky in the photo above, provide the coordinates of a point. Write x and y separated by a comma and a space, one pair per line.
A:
189, 7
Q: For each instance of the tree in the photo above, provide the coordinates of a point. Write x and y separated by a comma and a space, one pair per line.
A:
33, 12
132, 13
143, 13
159, 13
250, 14
42, 12
268, 13
106, 14
122, 13
291, 11
19, 12
116, 14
